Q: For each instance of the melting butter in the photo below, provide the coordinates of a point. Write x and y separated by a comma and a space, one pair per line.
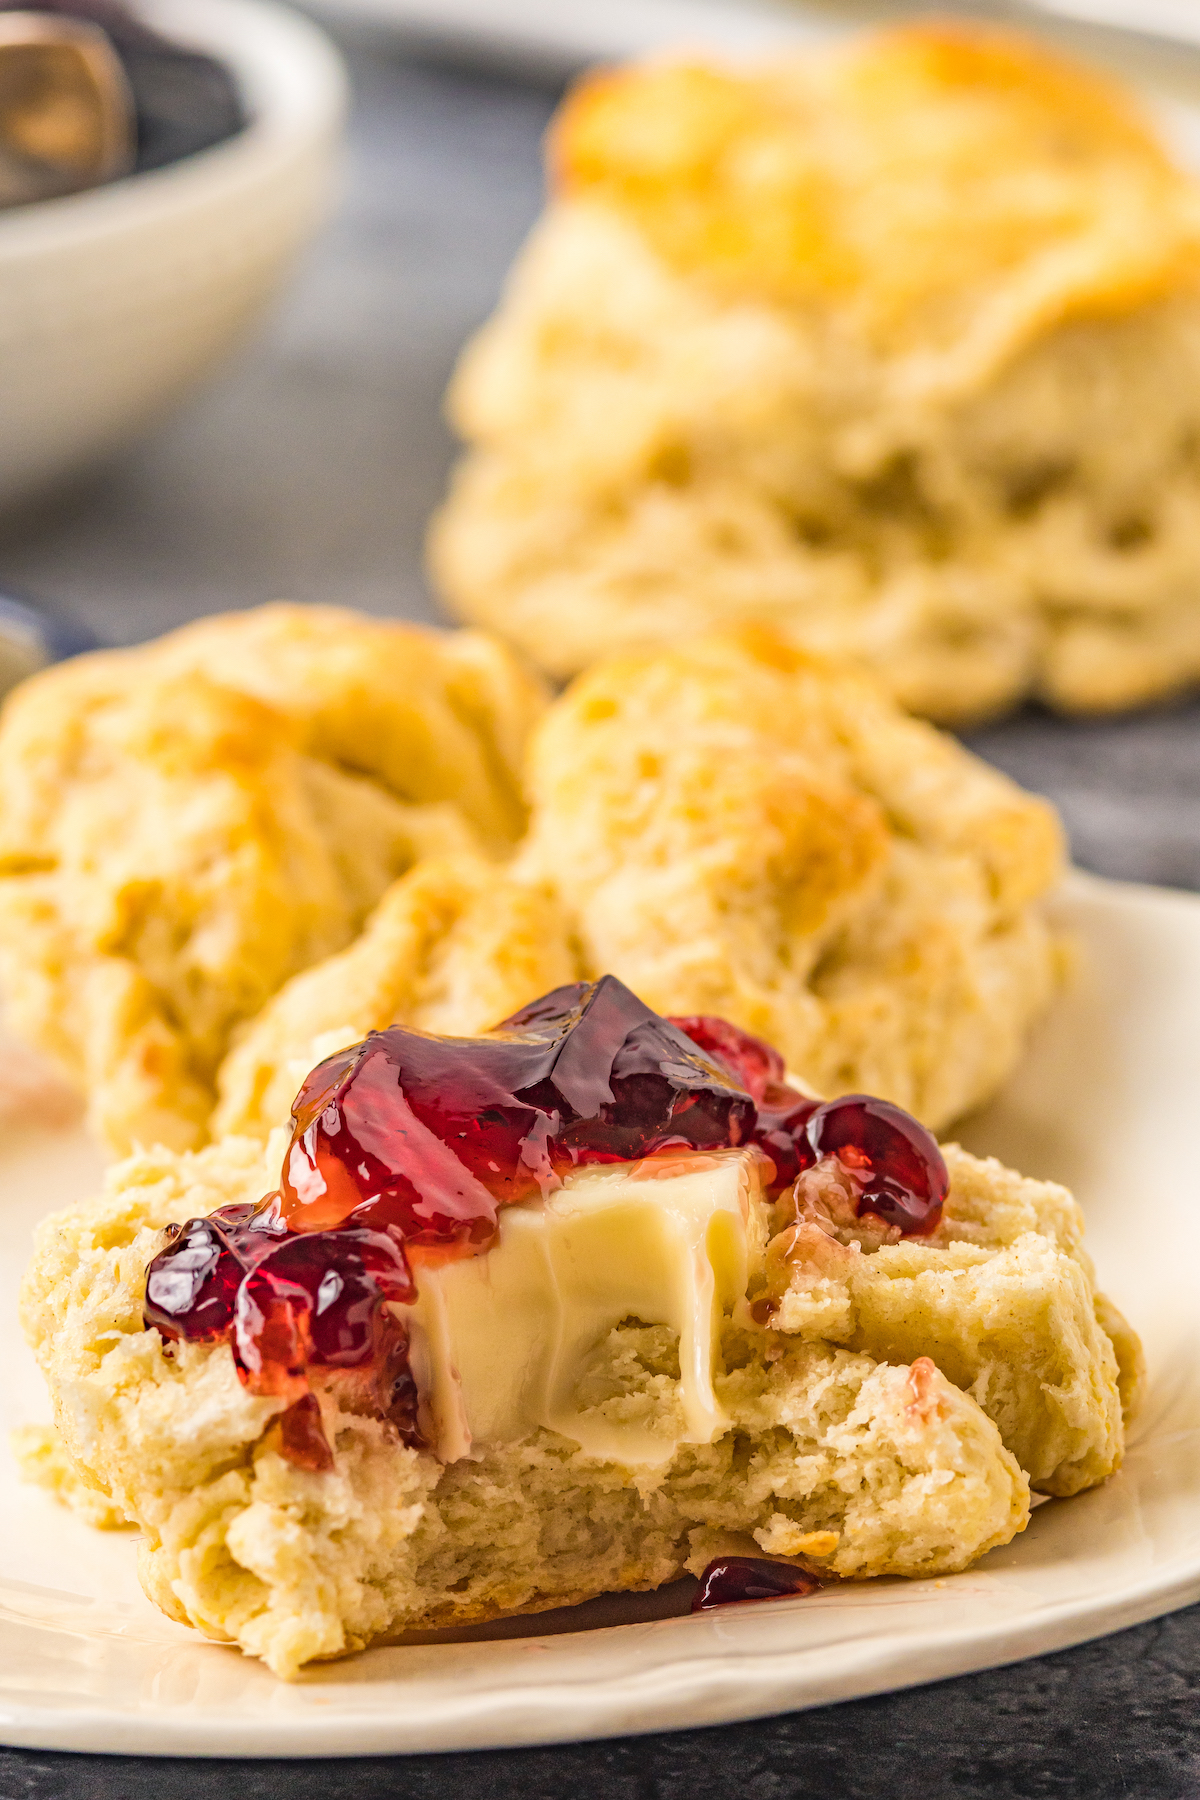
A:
500, 1340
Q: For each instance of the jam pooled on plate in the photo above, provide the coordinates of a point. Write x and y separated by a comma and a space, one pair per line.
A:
406, 1146
729, 1580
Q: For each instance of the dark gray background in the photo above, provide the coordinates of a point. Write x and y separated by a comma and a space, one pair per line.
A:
307, 470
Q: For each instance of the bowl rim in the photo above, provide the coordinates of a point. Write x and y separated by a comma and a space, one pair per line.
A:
296, 90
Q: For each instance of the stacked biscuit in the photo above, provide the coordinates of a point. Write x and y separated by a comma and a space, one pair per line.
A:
894, 346
267, 833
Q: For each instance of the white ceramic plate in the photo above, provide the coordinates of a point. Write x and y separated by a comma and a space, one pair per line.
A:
1106, 1101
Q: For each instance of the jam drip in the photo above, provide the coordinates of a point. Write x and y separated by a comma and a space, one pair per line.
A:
732, 1579
284, 1303
405, 1147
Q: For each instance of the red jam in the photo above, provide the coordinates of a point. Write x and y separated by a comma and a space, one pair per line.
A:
405, 1147
429, 1136
731, 1580
783, 1113
906, 1179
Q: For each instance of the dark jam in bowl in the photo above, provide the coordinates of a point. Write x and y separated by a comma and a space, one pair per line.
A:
183, 101
405, 1147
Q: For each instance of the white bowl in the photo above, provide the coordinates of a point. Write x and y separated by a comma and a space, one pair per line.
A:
114, 303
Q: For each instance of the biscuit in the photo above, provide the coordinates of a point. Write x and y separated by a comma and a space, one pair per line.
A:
453, 946
894, 345
740, 828
185, 825
735, 827
884, 1441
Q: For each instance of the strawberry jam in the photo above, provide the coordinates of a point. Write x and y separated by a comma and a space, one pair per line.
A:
405, 1147
782, 1112
429, 1136
904, 1177
732, 1579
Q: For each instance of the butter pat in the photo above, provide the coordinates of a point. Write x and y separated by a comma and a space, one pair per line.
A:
500, 1340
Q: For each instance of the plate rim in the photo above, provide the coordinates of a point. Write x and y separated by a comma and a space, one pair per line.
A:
97, 1731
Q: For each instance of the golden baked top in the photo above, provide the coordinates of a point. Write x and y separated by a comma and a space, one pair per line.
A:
926, 182
734, 827
429, 715
743, 828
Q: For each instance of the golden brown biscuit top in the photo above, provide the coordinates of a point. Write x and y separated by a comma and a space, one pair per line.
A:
742, 750
920, 181
187, 824
428, 716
